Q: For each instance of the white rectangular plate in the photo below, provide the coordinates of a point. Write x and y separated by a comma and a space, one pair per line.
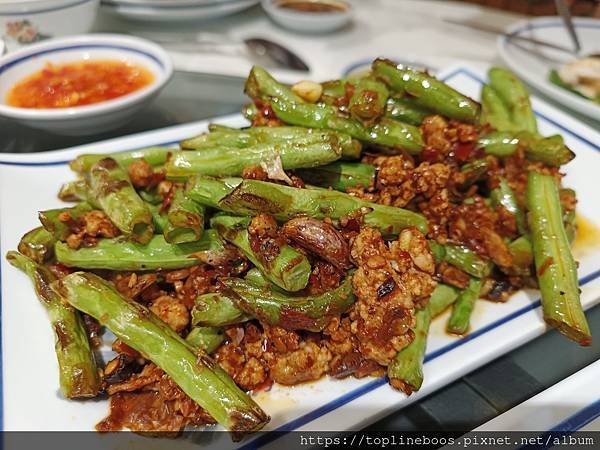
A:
570, 405
30, 397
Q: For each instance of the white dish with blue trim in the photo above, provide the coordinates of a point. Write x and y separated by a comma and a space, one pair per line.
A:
177, 10
23, 22
570, 405
533, 63
87, 119
29, 183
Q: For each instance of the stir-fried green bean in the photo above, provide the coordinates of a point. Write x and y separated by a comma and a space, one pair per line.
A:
37, 244
406, 370
427, 91
463, 307
194, 372
340, 175
77, 367
118, 254
555, 266
288, 269
111, 189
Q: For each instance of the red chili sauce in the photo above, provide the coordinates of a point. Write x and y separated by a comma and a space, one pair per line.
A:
77, 84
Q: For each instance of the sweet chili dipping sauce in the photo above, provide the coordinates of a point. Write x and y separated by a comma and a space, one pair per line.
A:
77, 84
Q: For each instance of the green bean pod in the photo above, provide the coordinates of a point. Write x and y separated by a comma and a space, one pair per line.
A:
388, 133
340, 175
473, 171
51, 219
406, 370
289, 269
368, 100
37, 244
554, 262
78, 373
284, 203
260, 84
406, 110
200, 377
427, 91
494, 112
515, 96
185, 219
112, 190
504, 196
499, 143
220, 136
291, 312
231, 161
155, 156
217, 309
463, 308
206, 339
461, 257
158, 254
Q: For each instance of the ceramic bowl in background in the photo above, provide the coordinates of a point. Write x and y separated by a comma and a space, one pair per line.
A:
24, 22
175, 10
94, 118
309, 16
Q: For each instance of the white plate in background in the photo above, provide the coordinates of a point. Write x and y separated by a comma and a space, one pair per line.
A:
178, 11
533, 63
573, 404
29, 183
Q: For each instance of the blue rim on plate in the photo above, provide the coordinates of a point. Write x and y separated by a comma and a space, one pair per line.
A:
578, 420
45, 10
367, 63
16, 62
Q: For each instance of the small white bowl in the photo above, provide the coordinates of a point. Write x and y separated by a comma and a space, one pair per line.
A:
23, 22
95, 118
309, 22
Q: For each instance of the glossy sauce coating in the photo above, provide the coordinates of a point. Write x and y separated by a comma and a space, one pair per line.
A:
77, 84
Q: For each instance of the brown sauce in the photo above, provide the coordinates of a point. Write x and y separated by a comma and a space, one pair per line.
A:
312, 6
